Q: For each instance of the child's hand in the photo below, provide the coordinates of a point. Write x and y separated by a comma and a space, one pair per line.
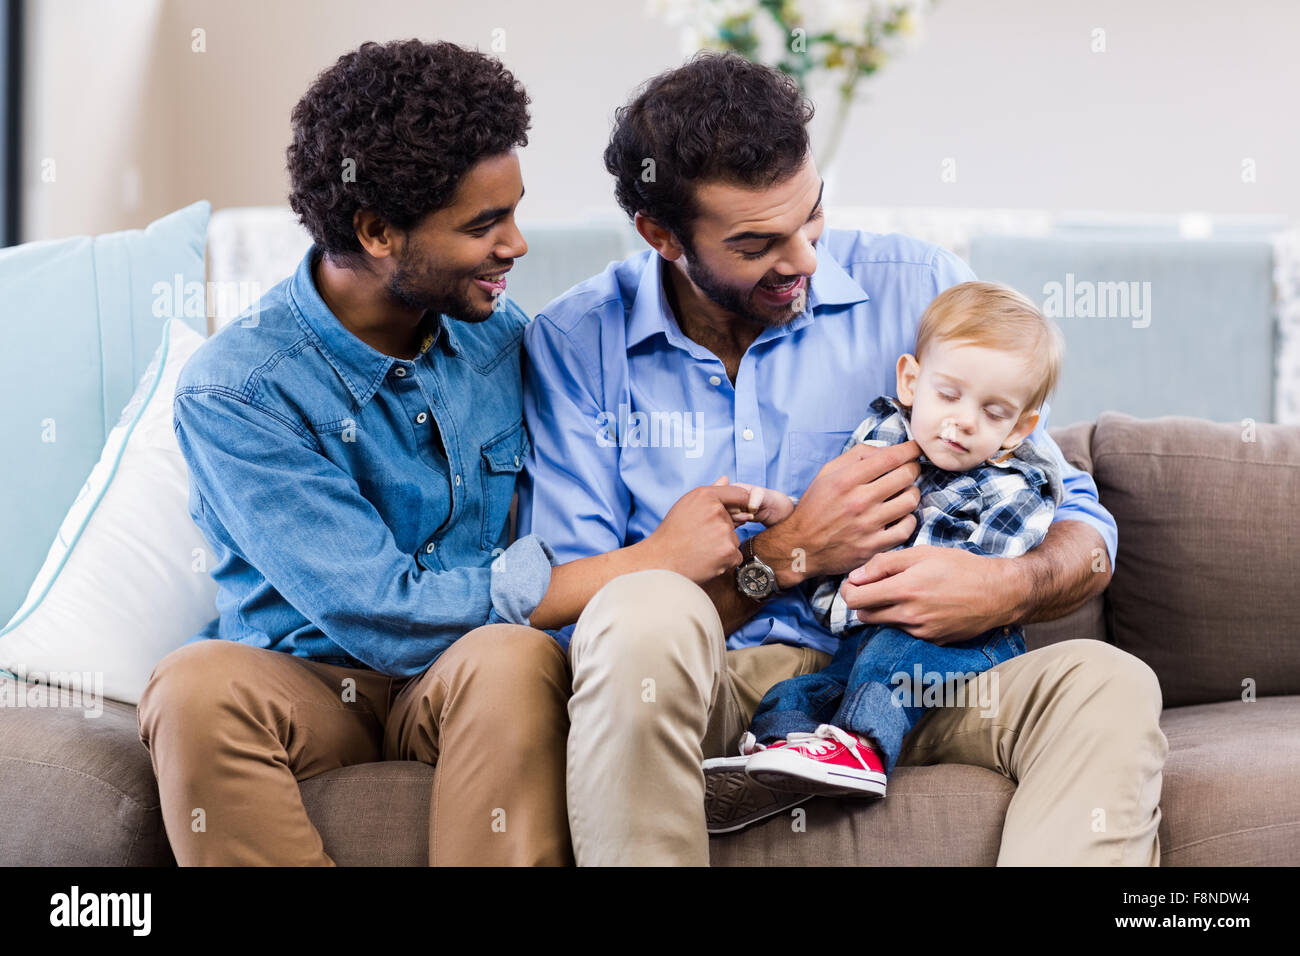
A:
766, 506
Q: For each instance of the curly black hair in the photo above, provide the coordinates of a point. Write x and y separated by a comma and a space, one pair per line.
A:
718, 117
413, 117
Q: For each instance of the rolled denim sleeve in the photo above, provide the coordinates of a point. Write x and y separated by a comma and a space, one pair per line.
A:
520, 576
263, 493
1081, 502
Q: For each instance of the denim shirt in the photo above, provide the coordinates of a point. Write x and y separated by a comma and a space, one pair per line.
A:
357, 504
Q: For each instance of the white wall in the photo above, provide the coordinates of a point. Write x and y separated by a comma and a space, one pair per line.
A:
1007, 88
92, 159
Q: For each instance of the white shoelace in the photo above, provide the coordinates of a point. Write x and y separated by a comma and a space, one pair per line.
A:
823, 740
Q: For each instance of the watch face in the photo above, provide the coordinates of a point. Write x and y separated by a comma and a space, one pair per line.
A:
756, 580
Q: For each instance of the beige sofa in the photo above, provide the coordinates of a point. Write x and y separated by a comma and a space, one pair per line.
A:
1205, 591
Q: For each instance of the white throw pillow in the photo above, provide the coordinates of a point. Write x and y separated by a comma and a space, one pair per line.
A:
126, 579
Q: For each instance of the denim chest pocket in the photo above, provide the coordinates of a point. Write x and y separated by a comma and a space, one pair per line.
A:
503, 458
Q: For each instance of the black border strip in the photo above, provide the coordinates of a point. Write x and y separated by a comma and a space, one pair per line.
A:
11, 62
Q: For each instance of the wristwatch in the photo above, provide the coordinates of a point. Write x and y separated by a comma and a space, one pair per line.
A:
754, 579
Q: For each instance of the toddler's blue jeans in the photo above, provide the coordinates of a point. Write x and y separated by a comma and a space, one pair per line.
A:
880, 683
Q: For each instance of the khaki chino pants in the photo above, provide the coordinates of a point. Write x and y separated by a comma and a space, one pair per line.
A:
231, 729
655, 691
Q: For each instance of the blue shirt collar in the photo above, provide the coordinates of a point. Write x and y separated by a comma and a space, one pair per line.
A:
361, 367
830, 285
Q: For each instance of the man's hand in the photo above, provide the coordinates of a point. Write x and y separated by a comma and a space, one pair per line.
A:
943, 595
697, 538
857, 506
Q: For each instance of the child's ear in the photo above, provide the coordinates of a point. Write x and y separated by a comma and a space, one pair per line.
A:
907, 371
1028, 422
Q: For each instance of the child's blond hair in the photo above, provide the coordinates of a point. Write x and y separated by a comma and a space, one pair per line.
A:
997, 317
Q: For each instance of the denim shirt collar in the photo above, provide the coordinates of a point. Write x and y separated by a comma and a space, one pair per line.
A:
361, 367
830, 285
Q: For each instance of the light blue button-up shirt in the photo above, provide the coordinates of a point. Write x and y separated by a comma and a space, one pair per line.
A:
358, 504
626, 414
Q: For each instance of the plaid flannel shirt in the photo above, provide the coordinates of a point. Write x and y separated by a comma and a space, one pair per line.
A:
1000, 508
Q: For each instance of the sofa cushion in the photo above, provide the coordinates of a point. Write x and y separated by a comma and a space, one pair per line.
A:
1088, 620
945, 815
77, 788
372, 814
1229, 794
1075, 442
80, 791
1205, 580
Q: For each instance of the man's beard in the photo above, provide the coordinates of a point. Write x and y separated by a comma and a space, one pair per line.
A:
731, 299
412, 287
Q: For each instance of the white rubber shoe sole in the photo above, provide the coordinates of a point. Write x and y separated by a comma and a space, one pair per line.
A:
723, 764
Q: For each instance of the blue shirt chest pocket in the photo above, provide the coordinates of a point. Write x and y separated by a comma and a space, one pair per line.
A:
808, 451
503, 457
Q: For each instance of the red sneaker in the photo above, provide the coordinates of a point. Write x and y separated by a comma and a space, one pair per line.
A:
829, 761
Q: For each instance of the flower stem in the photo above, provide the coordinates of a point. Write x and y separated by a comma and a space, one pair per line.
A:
844, 106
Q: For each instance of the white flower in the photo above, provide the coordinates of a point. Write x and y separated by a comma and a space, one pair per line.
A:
847, 19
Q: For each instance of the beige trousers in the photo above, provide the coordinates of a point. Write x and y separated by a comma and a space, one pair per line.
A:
231, 729
655, 691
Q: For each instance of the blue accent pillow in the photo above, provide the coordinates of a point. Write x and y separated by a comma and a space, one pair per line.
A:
80, 323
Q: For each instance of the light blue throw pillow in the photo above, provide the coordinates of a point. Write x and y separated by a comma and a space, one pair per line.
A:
80, 320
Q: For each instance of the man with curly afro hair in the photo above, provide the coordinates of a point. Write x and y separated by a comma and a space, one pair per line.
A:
403, 170
354, 443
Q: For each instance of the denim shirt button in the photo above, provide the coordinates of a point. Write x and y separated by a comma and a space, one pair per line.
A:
428, 548
458, 481
421, 418
399, 371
